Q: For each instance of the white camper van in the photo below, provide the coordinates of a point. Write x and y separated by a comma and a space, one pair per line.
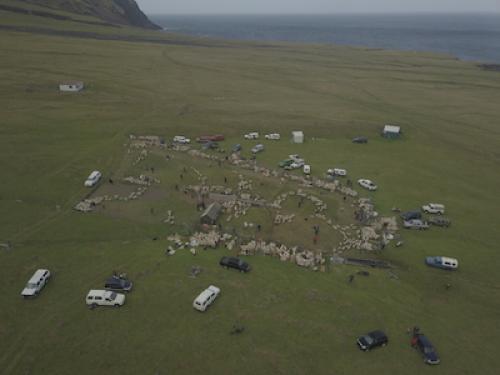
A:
93, 179
36, 283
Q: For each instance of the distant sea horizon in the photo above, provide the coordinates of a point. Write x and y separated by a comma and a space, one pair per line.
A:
466, 36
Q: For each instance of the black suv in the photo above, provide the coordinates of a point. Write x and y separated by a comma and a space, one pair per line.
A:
360, 140
372, 340
411, 215
120, 283
423, 344
235, 263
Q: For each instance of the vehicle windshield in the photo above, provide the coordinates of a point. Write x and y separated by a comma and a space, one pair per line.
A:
368, 339
112, 295
428, 350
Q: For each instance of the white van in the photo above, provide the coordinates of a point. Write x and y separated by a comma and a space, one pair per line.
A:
104, 298
93, 179
36, 283
433, 208
251, 135
442, 262
337, 172
273, 136
206, 298
307, 169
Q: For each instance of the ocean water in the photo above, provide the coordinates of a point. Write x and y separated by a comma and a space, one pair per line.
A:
466, 36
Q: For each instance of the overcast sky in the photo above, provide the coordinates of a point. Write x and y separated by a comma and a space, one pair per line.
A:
316, 6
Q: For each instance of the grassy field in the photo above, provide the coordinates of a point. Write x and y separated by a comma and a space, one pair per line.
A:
297, 321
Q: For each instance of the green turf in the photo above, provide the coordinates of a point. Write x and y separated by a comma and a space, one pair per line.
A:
297, 321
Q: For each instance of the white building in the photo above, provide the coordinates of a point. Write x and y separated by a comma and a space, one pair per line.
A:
73, 86
298, 136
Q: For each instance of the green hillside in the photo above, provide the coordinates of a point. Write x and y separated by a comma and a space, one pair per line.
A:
296, 321
125, 12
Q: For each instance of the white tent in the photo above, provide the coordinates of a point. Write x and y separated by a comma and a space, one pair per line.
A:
298, 136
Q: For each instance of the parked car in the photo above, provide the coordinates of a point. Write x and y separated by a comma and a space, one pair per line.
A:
104, 298
415, 224
206, 298
236, 263
36, 283
307, 169
336, 172
295, 165
410, 215
285, 163
210, 145
93, 179
120, 283
295, 157
181, 139
442, 262
422, 344
236, 148
251, 135
440, 221
257, 148
433, 208
273, 136
360, 140
367, 184
210, 138
372, 340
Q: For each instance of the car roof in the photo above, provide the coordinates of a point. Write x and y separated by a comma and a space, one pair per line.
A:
450, 260
36, 276
424, 340
98, 292
204, 295
377, 334
113, 280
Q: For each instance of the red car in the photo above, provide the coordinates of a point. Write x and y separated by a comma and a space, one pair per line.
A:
210, 138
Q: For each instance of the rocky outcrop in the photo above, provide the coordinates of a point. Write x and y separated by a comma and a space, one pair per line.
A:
122, 12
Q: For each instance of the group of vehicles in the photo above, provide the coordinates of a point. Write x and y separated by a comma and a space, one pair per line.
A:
255, 135
95, 297
109, 296
414, 220
419, 341
294, 161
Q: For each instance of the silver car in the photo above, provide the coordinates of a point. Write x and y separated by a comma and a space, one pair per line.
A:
415, 224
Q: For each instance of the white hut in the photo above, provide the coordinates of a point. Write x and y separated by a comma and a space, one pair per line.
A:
72, 86
298, 136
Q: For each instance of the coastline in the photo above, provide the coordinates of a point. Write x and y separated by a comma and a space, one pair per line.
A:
467, 37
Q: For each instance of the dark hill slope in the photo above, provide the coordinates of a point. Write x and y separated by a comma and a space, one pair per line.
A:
123, 12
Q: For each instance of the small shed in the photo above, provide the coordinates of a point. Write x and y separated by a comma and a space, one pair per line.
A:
71, 86
211, 214
298, 136
391, 131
